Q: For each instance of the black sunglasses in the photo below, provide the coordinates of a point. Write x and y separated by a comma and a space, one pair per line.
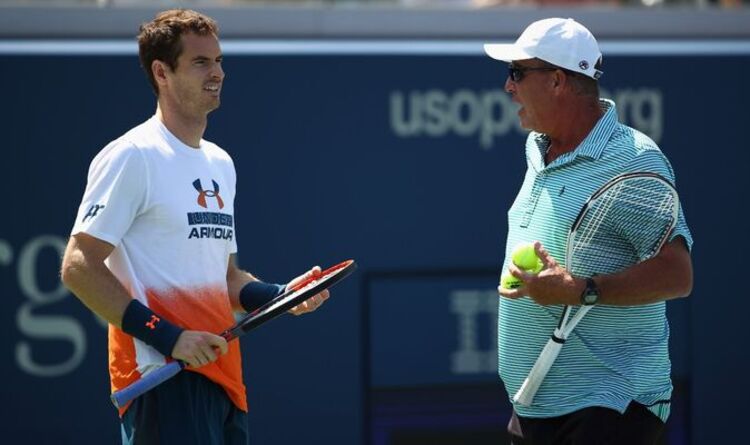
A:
516, 73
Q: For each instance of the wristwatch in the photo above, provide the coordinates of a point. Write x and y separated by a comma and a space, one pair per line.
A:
590, 294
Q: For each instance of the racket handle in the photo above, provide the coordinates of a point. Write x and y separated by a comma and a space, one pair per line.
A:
139, 387
526, 393
583, 310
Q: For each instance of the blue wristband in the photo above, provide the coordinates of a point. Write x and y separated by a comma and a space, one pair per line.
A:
143, 324
257, 293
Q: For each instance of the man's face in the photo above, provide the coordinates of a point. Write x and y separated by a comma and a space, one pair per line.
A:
531, 89
195, 84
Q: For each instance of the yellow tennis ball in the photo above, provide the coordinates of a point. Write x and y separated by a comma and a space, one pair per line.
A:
508, 281
524, 256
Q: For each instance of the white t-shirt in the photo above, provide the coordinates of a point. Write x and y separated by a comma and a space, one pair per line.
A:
169, 211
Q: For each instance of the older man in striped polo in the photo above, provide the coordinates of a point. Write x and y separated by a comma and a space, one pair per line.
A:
611, 383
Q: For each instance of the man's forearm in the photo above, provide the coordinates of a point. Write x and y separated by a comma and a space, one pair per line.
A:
666, 276
98, 289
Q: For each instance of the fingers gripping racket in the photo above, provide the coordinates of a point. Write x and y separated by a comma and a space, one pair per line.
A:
291, 297
640, 206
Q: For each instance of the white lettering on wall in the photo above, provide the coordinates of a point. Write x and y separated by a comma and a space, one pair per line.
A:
465, 113
469, 306
42, 327
490, 114
641, 109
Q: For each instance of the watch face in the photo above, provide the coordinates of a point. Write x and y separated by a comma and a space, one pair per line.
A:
590, 294
590, 297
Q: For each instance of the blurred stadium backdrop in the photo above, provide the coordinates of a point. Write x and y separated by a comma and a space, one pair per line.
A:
393, 112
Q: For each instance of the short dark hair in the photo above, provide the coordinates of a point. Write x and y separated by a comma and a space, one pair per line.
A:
159, 39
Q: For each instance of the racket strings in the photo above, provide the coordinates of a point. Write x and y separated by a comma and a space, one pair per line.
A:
653, 195
597, 215
644, 207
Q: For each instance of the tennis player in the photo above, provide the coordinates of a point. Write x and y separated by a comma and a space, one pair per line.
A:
152, 249
611, 383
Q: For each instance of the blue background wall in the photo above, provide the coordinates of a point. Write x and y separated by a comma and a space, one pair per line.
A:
335, 160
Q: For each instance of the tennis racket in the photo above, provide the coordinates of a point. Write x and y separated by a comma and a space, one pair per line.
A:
642, 205
279, 305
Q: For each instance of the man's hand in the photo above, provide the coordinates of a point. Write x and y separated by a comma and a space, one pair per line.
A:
553, 285
198, 348
313, 302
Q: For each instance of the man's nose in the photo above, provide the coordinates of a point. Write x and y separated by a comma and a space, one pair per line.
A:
218, 71
509, 85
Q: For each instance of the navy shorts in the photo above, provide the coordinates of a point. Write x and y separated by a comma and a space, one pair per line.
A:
186, 409
590, 426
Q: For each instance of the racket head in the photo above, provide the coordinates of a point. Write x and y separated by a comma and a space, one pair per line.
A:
301, 291
642, 205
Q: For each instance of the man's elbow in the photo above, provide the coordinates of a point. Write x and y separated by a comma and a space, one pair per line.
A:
681, 265
684, 283
71, 271
67, 273
685, 289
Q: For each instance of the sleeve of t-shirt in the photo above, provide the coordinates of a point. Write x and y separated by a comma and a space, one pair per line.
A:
116, 193
233, 185
654, 161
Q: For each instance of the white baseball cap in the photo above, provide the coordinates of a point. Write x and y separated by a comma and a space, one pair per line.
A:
561, 42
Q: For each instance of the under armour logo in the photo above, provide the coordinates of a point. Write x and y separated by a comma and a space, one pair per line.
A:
152, 324
207, 193
93, 210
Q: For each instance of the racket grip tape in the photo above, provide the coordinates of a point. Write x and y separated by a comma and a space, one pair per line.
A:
149, 381
530, 386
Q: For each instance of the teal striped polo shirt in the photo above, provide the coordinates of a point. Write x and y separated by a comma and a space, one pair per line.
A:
616, 354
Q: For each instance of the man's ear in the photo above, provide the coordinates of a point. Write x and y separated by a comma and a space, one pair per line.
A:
558, 78
159, 69
559, 81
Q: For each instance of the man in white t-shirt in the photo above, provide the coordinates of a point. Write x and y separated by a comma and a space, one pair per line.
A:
152, 249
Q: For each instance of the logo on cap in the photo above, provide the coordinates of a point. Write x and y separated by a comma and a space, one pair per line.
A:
584, 65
